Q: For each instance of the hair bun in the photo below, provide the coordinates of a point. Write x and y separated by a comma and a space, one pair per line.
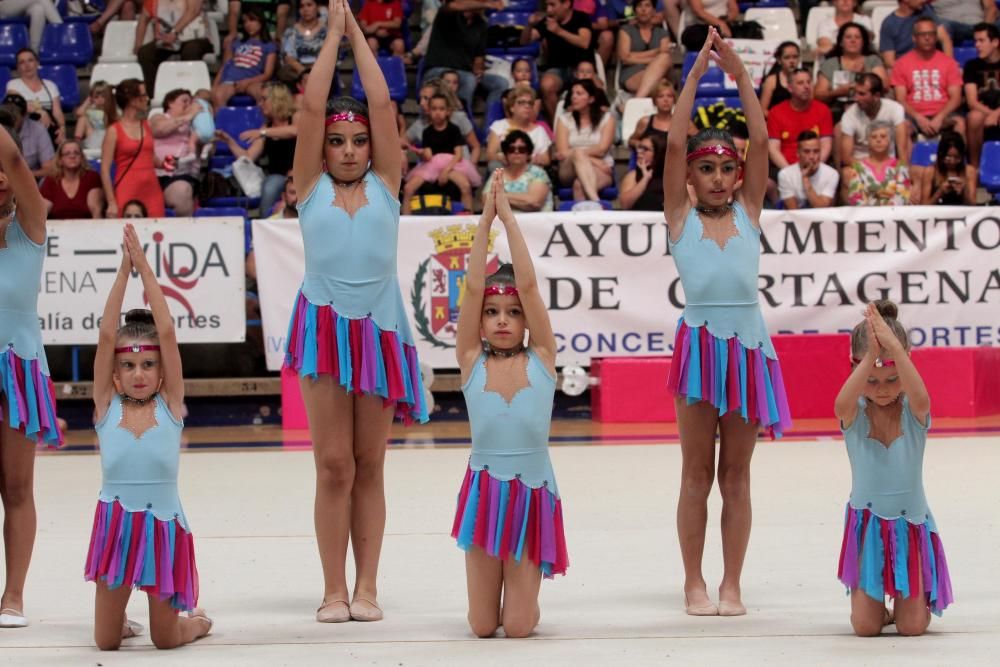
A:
139, 316
887, 309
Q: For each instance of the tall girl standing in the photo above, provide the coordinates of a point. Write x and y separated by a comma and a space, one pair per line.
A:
725, 373
349, 339
26, 394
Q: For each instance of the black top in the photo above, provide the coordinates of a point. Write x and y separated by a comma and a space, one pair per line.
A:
780, 93
442, 141
559, 52
455, 42
986, 77
652, 198
280, 153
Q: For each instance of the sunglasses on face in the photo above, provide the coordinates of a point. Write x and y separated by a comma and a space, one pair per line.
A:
517, 148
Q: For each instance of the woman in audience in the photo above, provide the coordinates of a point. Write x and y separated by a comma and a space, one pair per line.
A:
128, 145
584, 135
520, 106
95, 115
642, 187
774, 88
658, 124
853, 55
41, 95
952, 180
273, 144
879, 179
176, 151
179, 27
826, 36
643, 50
134, 209
301, 43
248, 63
527, 185
74, 191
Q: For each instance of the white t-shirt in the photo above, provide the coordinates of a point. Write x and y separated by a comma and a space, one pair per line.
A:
539, 137
855, 122
824, 182
44, 96
829, 29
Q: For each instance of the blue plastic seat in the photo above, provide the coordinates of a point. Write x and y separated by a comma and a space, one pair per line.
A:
13, 38
964, 54
66, 44
493, 113
63, 7
64, 76
235, 120
762, 4
221, 211
513, 18
242, 101
989, 167
924, 153
394, 71
4, 78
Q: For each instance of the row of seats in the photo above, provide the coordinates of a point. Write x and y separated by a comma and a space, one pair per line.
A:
62, 44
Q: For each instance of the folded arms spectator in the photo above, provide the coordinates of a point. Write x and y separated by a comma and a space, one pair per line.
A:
527, 185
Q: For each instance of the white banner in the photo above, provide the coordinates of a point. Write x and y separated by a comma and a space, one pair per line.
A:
612, 288
198, 261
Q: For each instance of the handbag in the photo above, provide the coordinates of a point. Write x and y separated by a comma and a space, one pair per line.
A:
249, 176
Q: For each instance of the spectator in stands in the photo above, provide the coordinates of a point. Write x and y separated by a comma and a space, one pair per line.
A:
981, 77
642, 187
458, 42
126, 10
521, 72
179, 28
658, 124
604, 25
928, 83
382, 21
301, 43
428, 12
280, 9
39, 13
774, 89
73, 191
788, 120
176, 151
952, 180
699, 15
527, 185
643, 50
879, 179
442, 157
844, 12
960, 17
128, 145
273, 143
588, 70
853, 55
134, 209
41, 95
896, 36
584, 137
565, 35
521, 114
95, 115
459, 118
869, 106
36, 145
247, 63
808, 183
286, 206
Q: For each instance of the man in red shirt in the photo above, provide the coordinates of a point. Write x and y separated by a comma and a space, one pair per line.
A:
382, 21
787, 120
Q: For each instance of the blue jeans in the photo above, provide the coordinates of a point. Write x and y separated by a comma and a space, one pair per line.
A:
467, 84
270, 193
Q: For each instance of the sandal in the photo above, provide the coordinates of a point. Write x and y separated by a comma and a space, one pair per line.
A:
364, 613
328, 614
12, 618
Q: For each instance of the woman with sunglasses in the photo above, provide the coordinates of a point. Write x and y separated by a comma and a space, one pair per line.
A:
129, 143
527, 185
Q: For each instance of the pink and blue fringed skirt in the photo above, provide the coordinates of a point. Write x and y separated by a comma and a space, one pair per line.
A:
138, 550
31, 402
730, 376
509, 519
894, 557
361, 357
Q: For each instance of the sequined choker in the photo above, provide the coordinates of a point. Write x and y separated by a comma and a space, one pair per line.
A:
137, 401
714, 211
505, 354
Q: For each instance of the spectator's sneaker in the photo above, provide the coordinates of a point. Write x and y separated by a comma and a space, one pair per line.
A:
587, 206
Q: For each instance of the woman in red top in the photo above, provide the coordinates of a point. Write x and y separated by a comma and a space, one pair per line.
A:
74, 191
129, 142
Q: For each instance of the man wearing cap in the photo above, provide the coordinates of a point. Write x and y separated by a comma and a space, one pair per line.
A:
35, 141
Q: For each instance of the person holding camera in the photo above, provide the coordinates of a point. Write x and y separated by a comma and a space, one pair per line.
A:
952, 180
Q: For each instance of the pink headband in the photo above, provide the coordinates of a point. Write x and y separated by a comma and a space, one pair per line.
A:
138, 348
349, 116
718, 149
879, 362
501, 290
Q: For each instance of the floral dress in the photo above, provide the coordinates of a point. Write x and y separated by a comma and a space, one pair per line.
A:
885, 185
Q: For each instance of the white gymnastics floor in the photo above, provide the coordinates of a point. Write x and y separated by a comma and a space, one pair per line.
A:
620, 603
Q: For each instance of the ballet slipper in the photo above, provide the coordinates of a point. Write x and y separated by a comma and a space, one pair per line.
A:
708, 609
731, 608
12, 618
198, 612
367, 612
131, 628
335, 611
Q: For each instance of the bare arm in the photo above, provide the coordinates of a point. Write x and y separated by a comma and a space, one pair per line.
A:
601, 148
58, 116
193, 10
767, 91
474, 147
467, 341
95, 203
632, 188
140, 31
971, 184
847, 147
989, 11
903, 145
972, 98
107, 156
104, 357
31, 211
825, 148
774, 153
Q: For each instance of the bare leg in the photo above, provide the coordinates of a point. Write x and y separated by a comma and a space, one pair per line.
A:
484, 577
109, 615
550, 85
168, 629
464, 187
606, 46
179, 196
521, 582
585, 172
737, 440
371, 434
654, 72
697, 425
868, 616
222, 93
331, 426
977, 126
410, 189
17, 479
912, 615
